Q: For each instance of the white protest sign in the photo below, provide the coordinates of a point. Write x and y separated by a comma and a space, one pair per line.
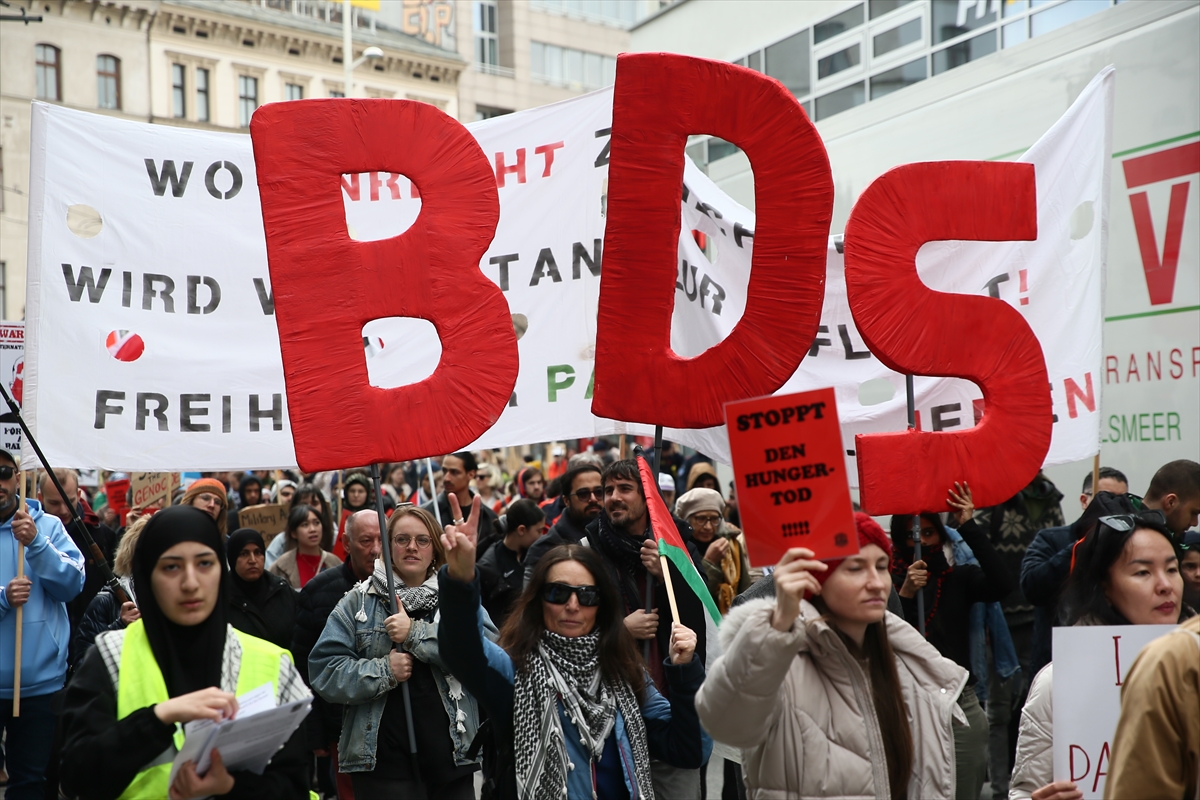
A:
1090, 664
150, 296
12, 372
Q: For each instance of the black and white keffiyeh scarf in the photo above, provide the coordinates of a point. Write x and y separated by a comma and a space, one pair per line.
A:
568, 669
416, 599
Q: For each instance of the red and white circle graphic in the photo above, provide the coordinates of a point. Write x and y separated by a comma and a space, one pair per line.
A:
124, 345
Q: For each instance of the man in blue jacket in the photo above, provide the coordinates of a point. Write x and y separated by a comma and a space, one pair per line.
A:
54, 575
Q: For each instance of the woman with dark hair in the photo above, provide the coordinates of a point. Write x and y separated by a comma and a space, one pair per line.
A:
501, 575
953, 574
261, 604
306, 494
306, 548
1125, 571
575, 714
832, 696
366, 652
180, 662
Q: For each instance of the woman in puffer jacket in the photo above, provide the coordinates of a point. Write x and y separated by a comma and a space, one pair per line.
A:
1124, 572
832, 696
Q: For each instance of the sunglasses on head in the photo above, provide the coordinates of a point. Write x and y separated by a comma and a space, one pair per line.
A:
7, 472
1127, 522
559, 593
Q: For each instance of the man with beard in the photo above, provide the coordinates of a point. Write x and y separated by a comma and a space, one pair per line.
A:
584, 496
458, 473
622, 536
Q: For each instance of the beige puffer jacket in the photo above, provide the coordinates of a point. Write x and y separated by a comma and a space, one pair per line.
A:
799, 706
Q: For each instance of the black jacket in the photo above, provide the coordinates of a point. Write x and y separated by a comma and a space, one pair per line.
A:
273, 618
101, 754
1044, 572
501, 578
106, 538
103, 614
314, 604
949, 608
486, 516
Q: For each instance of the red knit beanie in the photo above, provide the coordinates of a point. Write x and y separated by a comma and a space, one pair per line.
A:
869, 532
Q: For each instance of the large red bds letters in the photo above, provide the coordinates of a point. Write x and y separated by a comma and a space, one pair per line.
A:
327, 286
658, 101
916, 330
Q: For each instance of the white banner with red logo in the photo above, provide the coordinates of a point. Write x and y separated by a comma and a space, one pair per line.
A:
153, 344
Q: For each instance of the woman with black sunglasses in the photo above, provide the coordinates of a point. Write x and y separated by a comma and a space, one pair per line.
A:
575, 713
1124, 572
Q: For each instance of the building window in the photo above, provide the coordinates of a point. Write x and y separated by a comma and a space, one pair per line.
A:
897, 37
952, 18
787, 62
202, 99
178, 91
488, 112
487, 40
336, 93
294, 91
841, 100
49, 77
247, 98
963, 52
848, 19
836, 62
3, 290
108, 82
881, 7
887, 82
572, 68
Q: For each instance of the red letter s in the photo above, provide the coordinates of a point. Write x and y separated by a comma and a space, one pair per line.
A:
328, 286
915, 330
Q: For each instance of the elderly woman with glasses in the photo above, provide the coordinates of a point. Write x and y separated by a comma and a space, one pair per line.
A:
726, 564
365, 653
574, 711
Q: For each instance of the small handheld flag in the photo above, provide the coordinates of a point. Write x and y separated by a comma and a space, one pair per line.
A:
671, 546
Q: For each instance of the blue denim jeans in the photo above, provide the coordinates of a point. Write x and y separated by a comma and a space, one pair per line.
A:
28, 745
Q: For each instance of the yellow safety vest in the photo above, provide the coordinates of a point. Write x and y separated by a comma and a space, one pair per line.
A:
141, 684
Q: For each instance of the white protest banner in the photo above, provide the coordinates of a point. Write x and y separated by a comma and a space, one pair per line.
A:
1090, 664
148, 288
12, 372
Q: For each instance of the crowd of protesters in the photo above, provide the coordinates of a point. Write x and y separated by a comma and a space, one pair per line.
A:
525, 634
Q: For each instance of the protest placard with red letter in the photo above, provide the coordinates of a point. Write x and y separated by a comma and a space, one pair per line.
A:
661, 98
792, 487
327, 286
916, 330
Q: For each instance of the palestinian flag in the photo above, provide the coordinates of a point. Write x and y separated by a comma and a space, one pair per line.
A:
669, 543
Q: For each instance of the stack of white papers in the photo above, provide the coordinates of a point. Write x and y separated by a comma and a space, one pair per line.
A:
246, 742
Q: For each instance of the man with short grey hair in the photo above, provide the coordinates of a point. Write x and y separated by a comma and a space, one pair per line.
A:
316, 602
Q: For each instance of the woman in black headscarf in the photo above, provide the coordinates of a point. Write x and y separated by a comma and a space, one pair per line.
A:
180, 662
260, 604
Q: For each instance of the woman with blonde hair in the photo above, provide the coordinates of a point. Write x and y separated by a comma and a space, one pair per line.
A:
366, 652
104, 613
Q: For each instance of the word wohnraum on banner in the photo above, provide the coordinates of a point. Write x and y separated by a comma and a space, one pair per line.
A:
151, 313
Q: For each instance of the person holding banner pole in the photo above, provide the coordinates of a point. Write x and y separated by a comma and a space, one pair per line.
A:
827, 694
1125, 571
53, 574
355, 662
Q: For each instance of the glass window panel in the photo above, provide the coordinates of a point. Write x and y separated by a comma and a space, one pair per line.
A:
1014, 7
593, 76
1064, 14
754, 60
741, 62
952, 18
836, 62
841, 100
788, 63
294, 91
609, 65
850, 18
46, 69
574, 66
807, 106
247, 98
880, 7
887, 82
554, 63
202, 94
108, 82
958, 54
719, 148
178, 90
891, 40
537, 59
1015, 32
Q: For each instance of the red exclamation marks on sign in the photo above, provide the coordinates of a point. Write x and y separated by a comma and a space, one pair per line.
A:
1024, 273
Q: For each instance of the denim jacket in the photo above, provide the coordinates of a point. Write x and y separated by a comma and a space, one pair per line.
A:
987, 619
350, 665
